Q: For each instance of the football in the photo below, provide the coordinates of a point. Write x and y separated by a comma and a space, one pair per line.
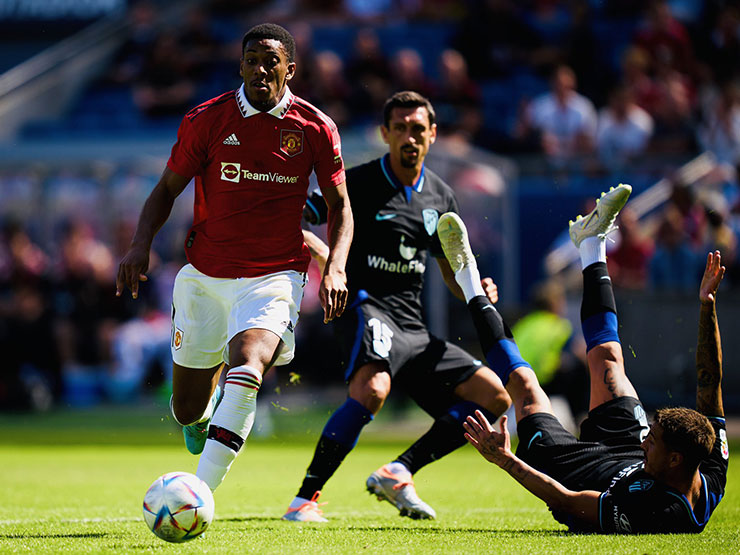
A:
178, 507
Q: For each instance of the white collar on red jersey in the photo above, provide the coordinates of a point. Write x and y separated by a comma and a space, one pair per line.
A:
279, 111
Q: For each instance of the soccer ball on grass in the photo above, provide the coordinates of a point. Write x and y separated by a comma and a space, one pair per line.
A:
178, 507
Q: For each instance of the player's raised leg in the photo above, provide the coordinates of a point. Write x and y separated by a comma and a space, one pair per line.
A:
598, 308
494, 335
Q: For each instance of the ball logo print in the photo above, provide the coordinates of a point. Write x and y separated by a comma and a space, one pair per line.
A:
178, 507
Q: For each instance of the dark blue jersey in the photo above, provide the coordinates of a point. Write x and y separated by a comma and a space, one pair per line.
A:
395, 226
636, 503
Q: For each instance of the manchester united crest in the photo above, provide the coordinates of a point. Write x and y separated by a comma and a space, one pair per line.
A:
291, 141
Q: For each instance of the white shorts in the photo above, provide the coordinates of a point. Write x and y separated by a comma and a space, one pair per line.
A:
208, 312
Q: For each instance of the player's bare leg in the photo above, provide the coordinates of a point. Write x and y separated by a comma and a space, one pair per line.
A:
195, 395
598, 309
370, 386
251, 353
484, 388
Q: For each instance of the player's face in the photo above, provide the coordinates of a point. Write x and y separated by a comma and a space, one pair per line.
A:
658, 457
409, 136
266, 71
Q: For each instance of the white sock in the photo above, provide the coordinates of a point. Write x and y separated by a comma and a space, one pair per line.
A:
205, 416
468, 278
236, 415
592, 249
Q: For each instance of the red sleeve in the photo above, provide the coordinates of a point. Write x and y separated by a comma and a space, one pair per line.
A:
329, 166
189, 152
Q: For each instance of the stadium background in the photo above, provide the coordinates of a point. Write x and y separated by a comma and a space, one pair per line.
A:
91, 94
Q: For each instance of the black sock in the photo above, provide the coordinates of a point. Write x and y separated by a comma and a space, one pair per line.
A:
488, 323
445, 435
598, 295
328, 456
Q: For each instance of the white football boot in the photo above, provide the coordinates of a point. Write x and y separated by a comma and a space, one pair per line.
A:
453, 236
600, 221
308, 511
398, 489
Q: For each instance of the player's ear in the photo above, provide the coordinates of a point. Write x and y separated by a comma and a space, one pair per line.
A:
433, 136
675, 460
241, 66
384, 133
291, 71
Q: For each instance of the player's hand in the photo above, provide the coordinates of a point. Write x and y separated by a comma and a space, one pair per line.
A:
333, 294
490, 289
713, 274
494, 446
131, 270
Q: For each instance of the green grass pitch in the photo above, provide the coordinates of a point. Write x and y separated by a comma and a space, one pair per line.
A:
74, 482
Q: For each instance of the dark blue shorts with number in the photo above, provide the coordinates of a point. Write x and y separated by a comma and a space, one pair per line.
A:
426, 367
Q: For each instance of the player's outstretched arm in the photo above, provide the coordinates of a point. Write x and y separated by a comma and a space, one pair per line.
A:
496, 448
153, 215
319, 249
709, 346
333, 289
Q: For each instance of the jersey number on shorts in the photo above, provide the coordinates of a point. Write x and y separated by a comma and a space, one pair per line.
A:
381, 337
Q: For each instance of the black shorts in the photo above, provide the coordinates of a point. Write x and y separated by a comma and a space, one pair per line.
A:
426, 367
610, 441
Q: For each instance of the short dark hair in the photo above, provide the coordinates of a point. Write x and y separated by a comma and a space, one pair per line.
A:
687, 432
407, 99
274, 32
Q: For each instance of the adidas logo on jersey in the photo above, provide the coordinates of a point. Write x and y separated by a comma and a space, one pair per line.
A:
231, 140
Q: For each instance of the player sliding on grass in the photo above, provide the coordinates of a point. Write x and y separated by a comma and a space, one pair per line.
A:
620, 476
396, 202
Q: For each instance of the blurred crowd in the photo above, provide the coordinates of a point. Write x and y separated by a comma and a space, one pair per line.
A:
590, 87
596, 84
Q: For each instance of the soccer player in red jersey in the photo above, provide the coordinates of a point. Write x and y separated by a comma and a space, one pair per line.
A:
251, 152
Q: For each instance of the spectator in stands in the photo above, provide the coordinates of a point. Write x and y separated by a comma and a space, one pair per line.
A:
457, 98
407, 73
29, 375
88, 314
673, 267
564, 120
198, 43
624, 130
718, 233
720, 49
637, 78
665, 38
369, 73
330, 90
164, 87
629, 261
673, 111
129, 60
719, 131
496, 41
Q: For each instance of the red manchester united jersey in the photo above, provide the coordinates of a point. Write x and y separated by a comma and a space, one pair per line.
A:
251, 172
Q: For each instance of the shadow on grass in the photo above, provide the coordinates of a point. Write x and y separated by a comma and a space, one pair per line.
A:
28, 536
431, 530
